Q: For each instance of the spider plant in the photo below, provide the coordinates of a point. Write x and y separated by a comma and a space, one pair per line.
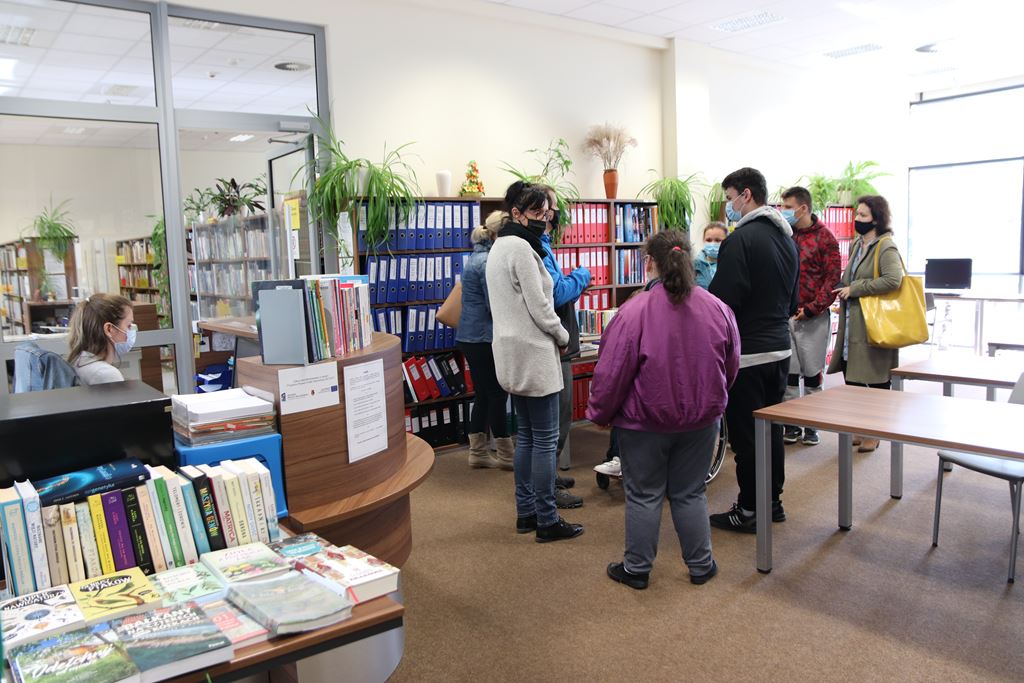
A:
716, 202
555, 166
335, 185
54, 229
390, 186
675, 200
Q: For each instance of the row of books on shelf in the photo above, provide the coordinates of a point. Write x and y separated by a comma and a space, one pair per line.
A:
416, 326
135, 251
635, 222
594, 259
595, 300
594, 322
588, 223
428, 225
582, 377
433, 377
135, 276
126, 514
440, 425
126, 626
257, 244
220, 416
13, 257
148, 297
332, 312
401, 279
630, 267
16, 285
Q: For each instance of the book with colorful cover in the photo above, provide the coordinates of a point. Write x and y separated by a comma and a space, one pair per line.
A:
36, 537
17, 556
290, 603
115, 595
239, 627
168, 527
300, 545
200, 482
182, 584
72, 542
76, 486
245, 563
195, 515
53, 536
117, 528
99, 527
363, 576
137, 531
39, 615
86, 534
170, 641
78, 656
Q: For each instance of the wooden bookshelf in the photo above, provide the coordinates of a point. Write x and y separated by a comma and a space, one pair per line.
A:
36, 287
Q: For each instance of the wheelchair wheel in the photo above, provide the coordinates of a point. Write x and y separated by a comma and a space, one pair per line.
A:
602, 480
719, 456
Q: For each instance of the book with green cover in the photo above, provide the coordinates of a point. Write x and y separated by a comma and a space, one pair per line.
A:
300, 545
194, 582
170, 641
245, 563
238, 626
290, 603
78, 656
167, 515
115, 595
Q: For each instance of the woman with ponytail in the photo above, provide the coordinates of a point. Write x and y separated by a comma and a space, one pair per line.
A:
667, 361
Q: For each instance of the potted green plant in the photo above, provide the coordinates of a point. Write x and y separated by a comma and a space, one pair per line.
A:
390, 185
555, 166
824, 190
716, 202
855, 181
197, 205
230, 198
158, 238
335, 182
608, 143
54, 230
675, 200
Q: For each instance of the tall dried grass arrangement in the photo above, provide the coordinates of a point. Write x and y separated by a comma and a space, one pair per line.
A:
608, 143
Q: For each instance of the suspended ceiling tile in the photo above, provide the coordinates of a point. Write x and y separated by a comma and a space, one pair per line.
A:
72, 42
95, 25
77, 60
646, 6
653, 25
257, 44
550, 6
26, 16
193, 37
603, 13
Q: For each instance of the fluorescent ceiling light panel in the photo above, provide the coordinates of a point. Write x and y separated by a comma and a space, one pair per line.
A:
7, 69
747, 22
16, 35
242, 138
855, 50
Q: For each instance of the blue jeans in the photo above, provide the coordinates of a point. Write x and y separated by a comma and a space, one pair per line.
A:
534, 464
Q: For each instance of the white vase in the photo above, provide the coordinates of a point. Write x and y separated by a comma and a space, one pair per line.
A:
444, 183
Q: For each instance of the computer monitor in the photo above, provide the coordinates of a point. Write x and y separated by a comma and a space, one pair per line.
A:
947, 273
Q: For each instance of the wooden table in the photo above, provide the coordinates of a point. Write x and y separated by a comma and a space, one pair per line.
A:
979, 300
368, 619
981, 371
920, 419
244, 326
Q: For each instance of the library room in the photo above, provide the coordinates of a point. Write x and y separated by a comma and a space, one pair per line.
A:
388, 340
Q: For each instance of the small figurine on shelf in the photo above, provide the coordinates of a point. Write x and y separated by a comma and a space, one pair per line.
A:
472, 187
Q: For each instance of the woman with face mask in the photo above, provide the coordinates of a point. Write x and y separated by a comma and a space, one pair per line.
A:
861, 363
102, 330
527, 338
706, 262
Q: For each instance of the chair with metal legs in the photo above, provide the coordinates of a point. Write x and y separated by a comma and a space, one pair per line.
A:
1010, 470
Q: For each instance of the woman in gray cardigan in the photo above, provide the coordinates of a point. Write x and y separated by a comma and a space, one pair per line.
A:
861, 363
527, 339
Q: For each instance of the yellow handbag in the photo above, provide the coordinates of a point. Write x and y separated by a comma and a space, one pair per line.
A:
897, 318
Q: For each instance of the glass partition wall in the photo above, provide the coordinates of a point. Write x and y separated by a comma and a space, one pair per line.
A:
121, 123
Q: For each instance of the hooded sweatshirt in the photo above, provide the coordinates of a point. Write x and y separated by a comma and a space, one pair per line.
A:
758, 278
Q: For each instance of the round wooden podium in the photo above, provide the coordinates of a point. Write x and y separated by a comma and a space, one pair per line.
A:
363, 503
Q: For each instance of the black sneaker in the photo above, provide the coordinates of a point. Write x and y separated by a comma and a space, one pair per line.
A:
559, 531
791, 434
810, 437
525, 525
701, 579
778, 514
734, 520
617, 572
566, 500
564, 482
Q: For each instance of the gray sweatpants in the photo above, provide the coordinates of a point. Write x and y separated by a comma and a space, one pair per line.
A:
809, 340
658, 466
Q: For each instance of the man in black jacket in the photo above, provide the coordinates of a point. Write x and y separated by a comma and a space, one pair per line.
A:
758, 277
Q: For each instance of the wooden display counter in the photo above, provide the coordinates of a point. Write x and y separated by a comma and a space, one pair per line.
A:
363, 503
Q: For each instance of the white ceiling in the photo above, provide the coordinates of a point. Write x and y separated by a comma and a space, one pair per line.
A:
92, 54
977, 40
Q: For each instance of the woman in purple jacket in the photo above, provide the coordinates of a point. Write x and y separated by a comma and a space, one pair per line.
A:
667, 361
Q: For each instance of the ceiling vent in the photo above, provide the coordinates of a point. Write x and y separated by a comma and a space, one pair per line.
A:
855, 50
748, 22
16, 35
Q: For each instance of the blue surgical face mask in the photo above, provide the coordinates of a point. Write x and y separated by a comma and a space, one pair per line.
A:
123, 347
711, 249
731, 213
789, 215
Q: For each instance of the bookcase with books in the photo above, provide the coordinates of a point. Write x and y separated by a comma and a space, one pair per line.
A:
135, 264
36, 285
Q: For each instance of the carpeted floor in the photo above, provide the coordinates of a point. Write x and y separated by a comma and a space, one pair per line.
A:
486, 604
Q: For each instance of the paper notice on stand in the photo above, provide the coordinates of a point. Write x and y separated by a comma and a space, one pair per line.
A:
308, 387
366, 413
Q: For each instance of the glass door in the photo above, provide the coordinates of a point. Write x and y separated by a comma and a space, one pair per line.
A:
287, 192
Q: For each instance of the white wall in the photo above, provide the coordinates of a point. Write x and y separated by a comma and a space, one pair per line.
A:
733, 112
464, 86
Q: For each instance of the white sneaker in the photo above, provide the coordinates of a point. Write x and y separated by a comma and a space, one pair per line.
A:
612, 468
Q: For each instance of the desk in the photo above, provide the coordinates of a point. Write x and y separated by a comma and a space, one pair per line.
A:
979, 309
244, 326
920, 419
982, 371
368, 619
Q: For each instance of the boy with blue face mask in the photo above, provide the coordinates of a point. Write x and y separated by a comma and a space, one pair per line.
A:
705, 263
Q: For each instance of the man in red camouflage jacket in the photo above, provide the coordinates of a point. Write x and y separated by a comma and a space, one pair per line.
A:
811, 327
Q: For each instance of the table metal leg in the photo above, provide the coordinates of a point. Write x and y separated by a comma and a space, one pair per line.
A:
763, 473
845, 481
896, 455
947, 390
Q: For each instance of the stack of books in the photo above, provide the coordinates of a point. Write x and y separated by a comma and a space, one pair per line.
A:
220, 416
594, 322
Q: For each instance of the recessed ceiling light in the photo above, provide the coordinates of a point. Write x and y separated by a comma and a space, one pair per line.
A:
930, 48
200, 24
856, 50
74, 130
292, 66
242, 138
118, 90
745, 23
16, 35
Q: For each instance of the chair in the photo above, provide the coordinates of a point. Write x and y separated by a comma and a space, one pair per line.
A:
1010, 470
38, 369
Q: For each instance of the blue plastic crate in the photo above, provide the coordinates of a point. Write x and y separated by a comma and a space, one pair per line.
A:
266, 449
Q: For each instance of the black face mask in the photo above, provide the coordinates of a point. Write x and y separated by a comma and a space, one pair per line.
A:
538, 228
863, 227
